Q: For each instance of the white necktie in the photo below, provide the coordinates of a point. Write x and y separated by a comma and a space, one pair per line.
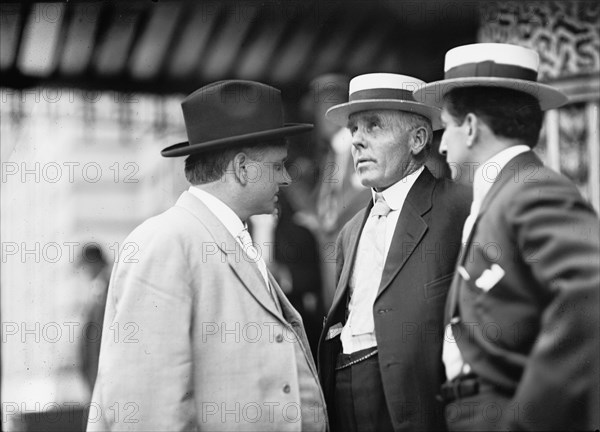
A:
253, 254
368, 269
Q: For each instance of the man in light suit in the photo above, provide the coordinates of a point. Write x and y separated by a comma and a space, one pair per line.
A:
522, 342
380, 350
198, 334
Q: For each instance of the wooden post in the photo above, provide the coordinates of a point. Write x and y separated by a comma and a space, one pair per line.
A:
592, 110
553, 140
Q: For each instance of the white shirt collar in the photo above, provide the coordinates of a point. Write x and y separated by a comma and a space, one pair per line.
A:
221, 210
486, 174
396, 194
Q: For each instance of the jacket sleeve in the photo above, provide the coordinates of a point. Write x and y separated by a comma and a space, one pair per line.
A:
557, 234
145, 373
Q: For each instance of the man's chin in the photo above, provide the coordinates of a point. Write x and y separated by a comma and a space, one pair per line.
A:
367, 181
272, 209
461, 173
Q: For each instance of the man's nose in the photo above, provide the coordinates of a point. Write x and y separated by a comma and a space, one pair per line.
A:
443, 150
358, 139
286, 179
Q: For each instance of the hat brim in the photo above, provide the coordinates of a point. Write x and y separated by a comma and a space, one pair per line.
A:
548, 97
339, 114
186, 149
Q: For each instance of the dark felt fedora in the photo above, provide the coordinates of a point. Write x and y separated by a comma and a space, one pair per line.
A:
231, 113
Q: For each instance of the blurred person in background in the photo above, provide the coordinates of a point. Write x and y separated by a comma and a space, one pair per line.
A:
380, 350
339, 194
523, 331
95, 269
325, 194
298, 266
218, 346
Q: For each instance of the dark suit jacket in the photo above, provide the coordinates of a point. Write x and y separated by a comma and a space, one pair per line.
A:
535, 334
409, 308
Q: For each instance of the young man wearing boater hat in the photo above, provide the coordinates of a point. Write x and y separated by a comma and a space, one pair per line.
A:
380, 350
212, 342
522, 342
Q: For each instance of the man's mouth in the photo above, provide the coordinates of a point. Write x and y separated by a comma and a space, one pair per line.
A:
364, 161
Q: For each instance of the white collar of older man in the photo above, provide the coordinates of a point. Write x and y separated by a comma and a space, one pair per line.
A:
383, 91
491, 65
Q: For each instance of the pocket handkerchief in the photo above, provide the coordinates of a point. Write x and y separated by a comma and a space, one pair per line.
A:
490, 277
333, 331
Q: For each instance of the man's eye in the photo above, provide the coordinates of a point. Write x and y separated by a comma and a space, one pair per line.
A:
373, 125
353, 129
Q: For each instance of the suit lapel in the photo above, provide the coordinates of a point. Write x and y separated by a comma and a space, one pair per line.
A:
246, 270
512, 171
410, 228
342, 286
292, 316
452, 301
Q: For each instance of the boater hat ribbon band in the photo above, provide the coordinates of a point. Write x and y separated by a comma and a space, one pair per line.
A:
381, 93
491, 69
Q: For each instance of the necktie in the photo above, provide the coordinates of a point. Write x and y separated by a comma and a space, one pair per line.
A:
246, 241
253, 254
368, 269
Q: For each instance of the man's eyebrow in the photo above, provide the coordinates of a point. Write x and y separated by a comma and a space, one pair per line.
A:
373, 118
351, 123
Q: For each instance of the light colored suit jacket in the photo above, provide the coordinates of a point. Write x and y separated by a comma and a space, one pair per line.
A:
192, 339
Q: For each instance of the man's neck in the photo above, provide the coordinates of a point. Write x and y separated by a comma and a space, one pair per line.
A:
492, 147
224, 192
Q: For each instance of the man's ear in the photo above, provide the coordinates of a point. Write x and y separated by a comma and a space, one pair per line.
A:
239, 163
420, 138
472, 123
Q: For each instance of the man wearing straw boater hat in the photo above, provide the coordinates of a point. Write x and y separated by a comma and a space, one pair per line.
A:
380, 350
521, 346
207, 340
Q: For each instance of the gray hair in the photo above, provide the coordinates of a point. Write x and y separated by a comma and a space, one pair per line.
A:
406, 122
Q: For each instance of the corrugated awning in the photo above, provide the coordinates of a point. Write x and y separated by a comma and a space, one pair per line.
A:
178, 46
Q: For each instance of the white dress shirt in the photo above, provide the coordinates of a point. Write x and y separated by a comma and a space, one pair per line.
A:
362, 311
485, 176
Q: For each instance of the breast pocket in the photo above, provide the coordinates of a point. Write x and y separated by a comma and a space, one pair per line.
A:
437, 288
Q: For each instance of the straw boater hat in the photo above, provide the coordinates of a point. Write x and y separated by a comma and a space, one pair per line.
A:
491, 65
232, 113
383, 91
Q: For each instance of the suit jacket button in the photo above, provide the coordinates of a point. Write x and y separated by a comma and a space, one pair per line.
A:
286, 388
279, 338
